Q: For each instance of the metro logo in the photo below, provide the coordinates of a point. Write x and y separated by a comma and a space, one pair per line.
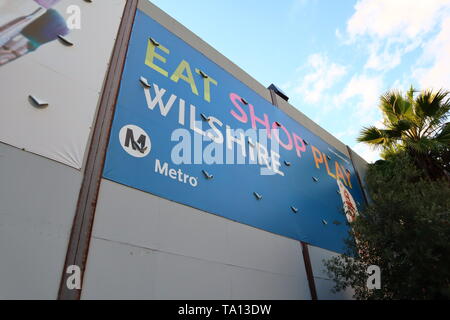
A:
139, 147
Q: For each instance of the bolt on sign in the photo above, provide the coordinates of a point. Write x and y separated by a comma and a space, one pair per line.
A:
187, 130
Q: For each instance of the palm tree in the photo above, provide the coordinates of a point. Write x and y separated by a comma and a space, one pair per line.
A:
416, 123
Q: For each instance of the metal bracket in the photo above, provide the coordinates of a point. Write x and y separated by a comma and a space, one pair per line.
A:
204, 75
154, 42
257, 195
38, 102
65, 41
144, 82
207, 175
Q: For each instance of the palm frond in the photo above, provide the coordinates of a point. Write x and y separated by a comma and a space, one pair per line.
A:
391, 134
423, 145
371, 135
402, 125
444, 136
388, 102
429, 103
410, 94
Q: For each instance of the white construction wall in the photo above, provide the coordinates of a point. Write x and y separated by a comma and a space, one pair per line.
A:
145, 247
42, 150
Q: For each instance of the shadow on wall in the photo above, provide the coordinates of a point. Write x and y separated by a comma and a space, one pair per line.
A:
25, 25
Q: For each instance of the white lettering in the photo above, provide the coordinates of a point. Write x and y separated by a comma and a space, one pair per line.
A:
177, 175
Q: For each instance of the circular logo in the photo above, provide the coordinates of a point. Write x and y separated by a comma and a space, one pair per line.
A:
135, 141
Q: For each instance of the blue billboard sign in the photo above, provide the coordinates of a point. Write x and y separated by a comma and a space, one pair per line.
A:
187, 130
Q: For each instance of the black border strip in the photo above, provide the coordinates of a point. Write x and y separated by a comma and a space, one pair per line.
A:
309, 271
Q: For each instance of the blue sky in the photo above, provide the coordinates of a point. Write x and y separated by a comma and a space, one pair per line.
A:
333, 58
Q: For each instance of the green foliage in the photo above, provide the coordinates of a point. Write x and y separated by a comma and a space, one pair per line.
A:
405, 230
416, 123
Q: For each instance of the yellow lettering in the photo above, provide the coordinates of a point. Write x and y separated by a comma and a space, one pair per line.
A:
151, 54
339, 174
328, 168
206, 86
178, 74
347, 174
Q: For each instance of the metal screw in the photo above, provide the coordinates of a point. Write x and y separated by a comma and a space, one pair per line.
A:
244, 101
294, 209
315, 179
287, 163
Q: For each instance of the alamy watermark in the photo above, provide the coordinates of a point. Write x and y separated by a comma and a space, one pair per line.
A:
374, 279
74, 19
73, 281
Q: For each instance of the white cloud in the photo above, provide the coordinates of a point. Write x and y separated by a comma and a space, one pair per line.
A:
393, 28
349, 132
324, 74
388, 18
338, 34
366, 89
387, 54
436, 52
366, 152
358, 105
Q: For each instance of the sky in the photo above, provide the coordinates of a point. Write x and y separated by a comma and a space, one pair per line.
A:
333, 58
